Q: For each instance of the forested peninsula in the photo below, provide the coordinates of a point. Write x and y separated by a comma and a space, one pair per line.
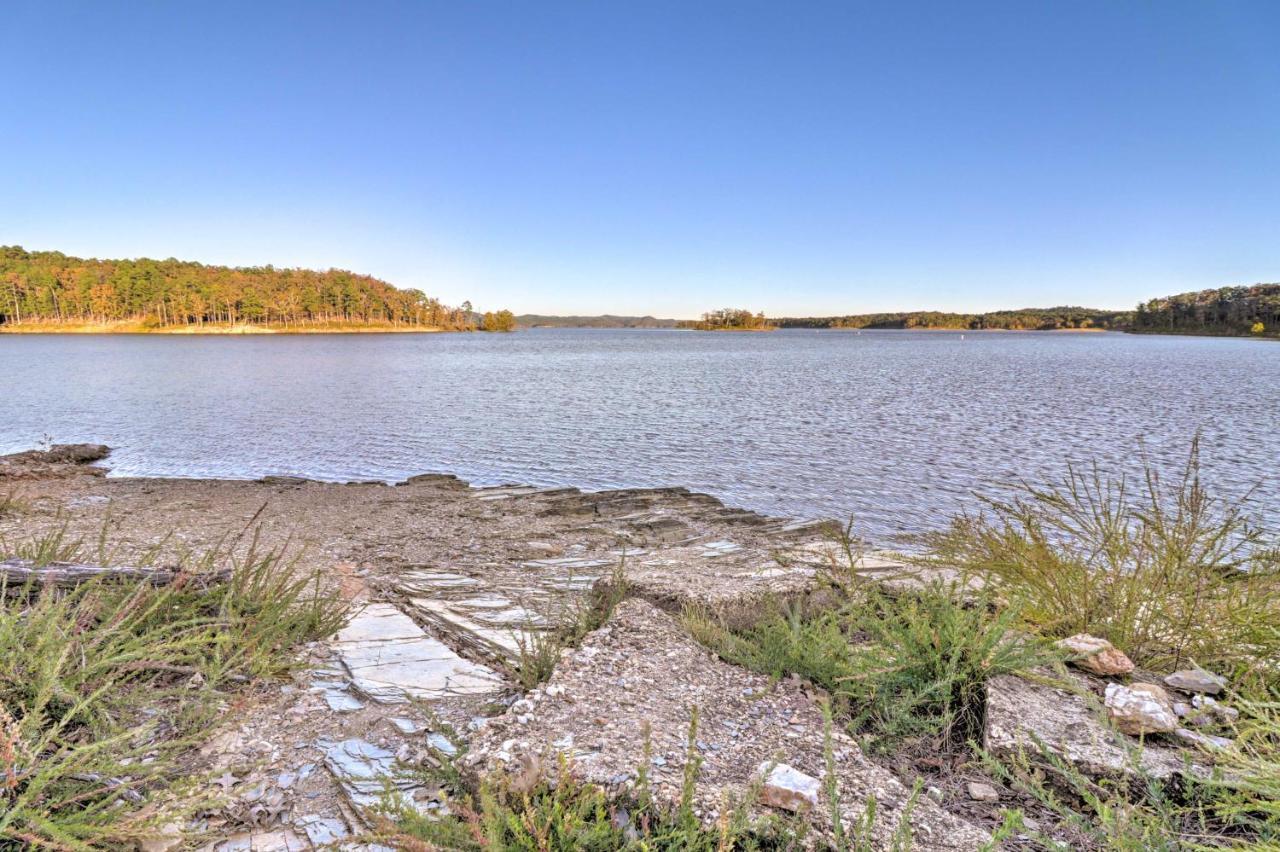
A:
1026, 319
51, 291
1252, 310
1245, 311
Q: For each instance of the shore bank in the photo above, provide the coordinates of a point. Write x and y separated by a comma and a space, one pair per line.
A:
457, 598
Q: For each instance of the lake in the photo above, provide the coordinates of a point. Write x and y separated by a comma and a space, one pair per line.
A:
896, 429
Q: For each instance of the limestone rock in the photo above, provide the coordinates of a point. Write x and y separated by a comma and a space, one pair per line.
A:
1143, 708
1208, 742
1196, 680
392, 660
1208, 711
1024, 715
788, 788
1095, 655
980, 792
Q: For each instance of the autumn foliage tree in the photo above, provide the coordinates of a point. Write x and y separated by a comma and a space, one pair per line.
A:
50, 287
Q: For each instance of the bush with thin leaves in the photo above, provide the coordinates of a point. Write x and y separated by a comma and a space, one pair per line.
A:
1167, 572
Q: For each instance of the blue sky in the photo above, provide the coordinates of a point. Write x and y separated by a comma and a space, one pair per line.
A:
660, 157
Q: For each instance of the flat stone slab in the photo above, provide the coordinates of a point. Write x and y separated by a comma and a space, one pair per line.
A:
391, 660
367, 773
638, 679
1022, 713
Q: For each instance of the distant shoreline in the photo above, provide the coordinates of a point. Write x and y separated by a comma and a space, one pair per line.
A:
219, 329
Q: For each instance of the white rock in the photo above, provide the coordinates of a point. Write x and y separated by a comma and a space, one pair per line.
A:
788, 788
1207, 711
1141, 709
980, 792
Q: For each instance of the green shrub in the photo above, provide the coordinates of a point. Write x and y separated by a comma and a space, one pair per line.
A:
538, 651
901, 666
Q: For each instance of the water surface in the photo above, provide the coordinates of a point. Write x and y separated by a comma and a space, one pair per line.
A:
895, 428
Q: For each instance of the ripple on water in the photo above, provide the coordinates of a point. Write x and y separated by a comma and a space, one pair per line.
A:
896, 429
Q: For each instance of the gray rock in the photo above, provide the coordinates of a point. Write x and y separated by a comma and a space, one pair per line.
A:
1196, 680
366, 772
341, 701
403, 725
1208, 742
322, 831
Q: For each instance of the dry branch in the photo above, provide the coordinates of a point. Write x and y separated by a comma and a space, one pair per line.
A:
19, 572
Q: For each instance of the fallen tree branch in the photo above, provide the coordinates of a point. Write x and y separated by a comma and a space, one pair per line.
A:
19, 572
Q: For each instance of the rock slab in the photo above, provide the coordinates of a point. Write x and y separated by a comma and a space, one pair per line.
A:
1025, 715
788, 788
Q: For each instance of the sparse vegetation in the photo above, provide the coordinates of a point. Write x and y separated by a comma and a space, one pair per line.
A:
1170, 574
12, 503
1165, 571
897, 667
106, 687
538, 651
569, 815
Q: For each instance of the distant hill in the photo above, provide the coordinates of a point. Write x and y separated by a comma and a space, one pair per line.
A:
602, 321
1025, 319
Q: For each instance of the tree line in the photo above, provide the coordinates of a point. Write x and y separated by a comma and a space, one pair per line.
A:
1027, 319
50, 287
1249, 310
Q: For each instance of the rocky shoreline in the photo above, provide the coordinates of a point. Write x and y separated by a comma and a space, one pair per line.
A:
449, 584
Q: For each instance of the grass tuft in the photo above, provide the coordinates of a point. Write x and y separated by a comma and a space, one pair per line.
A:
107, 686
898, 667
538, 651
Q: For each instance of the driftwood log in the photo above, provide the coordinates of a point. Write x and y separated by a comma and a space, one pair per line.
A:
19, 572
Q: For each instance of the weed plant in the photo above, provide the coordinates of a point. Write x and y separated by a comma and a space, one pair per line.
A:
104, 688
1165, 571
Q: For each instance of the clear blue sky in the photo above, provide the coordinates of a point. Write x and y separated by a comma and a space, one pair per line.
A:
660, 157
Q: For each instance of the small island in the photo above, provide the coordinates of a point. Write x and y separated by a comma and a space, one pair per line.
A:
730, 319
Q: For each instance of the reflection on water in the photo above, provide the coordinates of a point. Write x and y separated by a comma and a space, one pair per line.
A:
895, 428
